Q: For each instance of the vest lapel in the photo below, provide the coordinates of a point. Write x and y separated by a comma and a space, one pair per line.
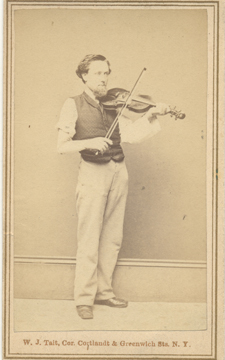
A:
91, 101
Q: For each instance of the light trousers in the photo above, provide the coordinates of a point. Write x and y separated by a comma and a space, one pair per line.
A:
100, 202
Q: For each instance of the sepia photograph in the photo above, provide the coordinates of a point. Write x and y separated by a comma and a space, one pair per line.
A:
113, 180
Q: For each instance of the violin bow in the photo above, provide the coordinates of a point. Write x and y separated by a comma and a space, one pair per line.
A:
173, 111
115, 122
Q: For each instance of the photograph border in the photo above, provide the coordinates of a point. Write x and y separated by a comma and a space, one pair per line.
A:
217, 176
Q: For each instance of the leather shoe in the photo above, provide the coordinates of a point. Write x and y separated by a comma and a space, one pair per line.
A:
85, 312
113, 302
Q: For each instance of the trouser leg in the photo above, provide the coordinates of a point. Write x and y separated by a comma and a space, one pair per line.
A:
112, 232
94, 182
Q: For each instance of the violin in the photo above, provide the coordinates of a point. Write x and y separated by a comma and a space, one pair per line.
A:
116, 98
122, 100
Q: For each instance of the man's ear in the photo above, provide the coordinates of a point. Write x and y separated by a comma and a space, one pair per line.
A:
84, 77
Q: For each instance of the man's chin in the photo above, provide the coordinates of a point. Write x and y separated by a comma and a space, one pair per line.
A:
100, 92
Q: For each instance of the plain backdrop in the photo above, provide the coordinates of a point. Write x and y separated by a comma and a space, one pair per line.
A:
166, 207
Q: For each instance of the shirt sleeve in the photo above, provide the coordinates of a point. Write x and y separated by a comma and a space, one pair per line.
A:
68, 118
139, 130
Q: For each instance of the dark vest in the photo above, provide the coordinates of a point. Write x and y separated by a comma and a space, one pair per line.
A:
94, 122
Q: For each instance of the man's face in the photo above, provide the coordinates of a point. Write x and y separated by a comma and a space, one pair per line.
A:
97, 78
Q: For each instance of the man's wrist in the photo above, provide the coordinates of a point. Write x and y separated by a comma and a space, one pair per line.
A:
86, 143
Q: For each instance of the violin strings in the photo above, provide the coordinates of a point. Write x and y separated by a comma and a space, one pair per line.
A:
114, 124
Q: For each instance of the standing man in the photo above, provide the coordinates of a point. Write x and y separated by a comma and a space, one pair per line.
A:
102, 181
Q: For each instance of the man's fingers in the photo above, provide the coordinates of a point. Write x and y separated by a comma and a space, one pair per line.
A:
168, 109
108, 141
101, 144
103, 147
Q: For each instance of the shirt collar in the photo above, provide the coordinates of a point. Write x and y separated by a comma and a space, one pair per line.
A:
90, 93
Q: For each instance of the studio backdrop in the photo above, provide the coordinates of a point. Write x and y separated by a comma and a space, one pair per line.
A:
163, 257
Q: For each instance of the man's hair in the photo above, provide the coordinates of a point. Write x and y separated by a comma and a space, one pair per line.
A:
84, 65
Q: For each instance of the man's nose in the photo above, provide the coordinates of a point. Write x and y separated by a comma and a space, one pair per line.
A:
103, 77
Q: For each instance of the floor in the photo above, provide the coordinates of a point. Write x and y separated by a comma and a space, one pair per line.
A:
61, 315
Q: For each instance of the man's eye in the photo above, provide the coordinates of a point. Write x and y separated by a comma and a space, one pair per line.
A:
99, 73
